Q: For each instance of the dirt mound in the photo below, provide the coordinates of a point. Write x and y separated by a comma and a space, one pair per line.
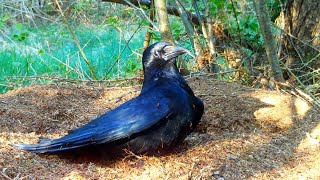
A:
244, 133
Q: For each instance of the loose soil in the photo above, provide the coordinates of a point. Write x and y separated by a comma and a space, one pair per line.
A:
245, 133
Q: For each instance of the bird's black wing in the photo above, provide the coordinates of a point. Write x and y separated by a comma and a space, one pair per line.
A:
131, 117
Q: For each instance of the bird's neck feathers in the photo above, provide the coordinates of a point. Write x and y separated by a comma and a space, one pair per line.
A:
170, 73
156, 73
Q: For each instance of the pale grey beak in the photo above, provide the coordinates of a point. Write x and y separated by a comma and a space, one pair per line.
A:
174, 51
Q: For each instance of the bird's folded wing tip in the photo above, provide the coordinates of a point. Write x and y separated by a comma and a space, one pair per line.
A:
19, 145
29, 147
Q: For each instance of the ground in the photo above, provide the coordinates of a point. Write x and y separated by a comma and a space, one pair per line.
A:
245, 133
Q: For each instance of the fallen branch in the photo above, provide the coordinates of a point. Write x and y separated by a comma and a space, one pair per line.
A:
208, 74
171, 10
299, 93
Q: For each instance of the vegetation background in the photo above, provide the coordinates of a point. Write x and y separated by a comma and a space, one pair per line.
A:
81, 41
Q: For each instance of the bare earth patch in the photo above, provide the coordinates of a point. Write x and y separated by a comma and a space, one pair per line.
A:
244, 133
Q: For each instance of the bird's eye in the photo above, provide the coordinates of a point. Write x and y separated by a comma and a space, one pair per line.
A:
157, 54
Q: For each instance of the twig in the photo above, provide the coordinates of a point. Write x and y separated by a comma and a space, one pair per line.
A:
76, 41
292, 36
3, 173
127, 43
8, 37
216, 95
143, 13
128, 87
131, 154
294, 47
122, 96
21, 11
306, 64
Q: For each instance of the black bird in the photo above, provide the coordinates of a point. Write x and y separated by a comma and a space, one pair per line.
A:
157, 120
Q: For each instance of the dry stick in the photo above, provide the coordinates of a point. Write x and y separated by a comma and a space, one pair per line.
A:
208, 74
232, 95
76, 41
3, 102
131, 154
7, 37
299, 93
118, 99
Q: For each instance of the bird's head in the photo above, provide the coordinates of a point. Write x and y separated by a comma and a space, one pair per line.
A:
161, 54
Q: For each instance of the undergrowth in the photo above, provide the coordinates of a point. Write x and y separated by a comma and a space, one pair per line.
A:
51, 51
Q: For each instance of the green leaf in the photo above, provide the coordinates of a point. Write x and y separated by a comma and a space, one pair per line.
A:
238, 13
218, 3
24, 35
15, 37
22, 38
144, 23
253, 26
19, 26
229, 6
40, 51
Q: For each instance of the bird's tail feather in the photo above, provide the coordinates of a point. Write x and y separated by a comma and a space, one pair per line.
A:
57, 145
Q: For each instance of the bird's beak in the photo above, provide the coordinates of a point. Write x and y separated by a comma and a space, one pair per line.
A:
172, 52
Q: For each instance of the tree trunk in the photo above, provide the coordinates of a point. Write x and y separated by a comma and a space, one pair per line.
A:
165, 31
302, 42
269, 41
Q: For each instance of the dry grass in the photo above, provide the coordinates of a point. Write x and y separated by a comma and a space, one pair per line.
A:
245, 133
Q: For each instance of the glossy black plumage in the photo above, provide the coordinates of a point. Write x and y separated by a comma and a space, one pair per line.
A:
164, 113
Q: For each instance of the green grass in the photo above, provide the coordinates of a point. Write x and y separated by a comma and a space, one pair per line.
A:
51, 51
